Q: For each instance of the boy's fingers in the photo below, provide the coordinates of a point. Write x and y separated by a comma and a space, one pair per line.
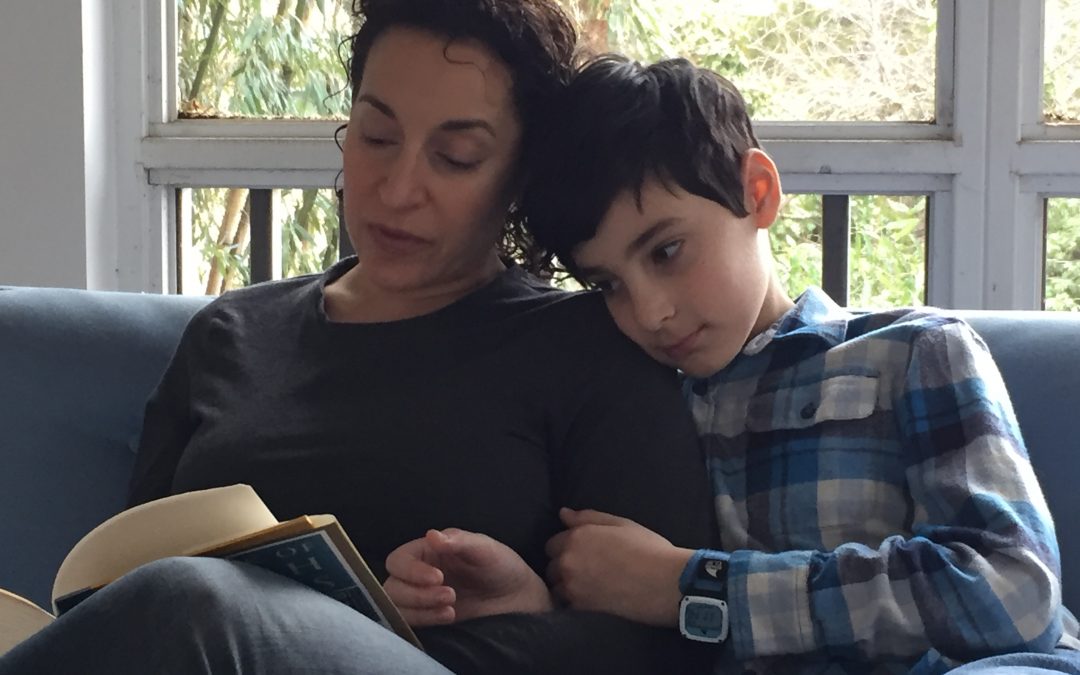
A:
555, 546
572, 518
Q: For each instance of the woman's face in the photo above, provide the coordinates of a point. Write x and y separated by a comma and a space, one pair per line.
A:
429, 162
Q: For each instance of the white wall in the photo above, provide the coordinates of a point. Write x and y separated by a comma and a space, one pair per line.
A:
55, 167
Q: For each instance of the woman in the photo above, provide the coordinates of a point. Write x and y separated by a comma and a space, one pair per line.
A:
426, 383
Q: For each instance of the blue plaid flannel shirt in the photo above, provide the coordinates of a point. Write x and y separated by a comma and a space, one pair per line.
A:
876, 505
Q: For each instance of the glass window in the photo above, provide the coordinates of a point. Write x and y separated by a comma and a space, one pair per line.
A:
813, 60
819, 60
263, 59
1061, 49
1061, 290
216, 231
886, 253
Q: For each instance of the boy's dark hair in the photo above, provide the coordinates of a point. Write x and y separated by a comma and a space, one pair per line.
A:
535, 40
620, 123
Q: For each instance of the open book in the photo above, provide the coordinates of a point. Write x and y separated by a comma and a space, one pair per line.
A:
229, 522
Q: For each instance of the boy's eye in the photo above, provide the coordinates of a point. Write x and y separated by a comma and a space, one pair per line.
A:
666, 251
605, 286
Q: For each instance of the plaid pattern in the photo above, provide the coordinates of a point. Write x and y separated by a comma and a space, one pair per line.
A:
875, 500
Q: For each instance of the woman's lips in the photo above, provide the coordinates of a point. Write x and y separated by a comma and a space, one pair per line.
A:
394, 241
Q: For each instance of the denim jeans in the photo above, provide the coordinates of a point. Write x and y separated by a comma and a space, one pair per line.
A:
200, 615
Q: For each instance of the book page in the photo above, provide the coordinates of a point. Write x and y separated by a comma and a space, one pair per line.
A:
19, 619
177, 525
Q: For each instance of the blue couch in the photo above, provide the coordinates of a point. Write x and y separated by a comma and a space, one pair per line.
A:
76, 368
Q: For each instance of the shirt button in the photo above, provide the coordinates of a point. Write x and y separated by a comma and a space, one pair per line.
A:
808, 410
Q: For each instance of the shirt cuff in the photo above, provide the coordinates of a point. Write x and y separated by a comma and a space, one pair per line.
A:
769, 604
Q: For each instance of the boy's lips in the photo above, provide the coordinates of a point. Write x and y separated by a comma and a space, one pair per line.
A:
679, 349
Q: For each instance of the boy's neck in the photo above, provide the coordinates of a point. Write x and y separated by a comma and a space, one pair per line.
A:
777, 303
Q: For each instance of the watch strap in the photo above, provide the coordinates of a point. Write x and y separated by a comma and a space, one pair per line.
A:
706, 574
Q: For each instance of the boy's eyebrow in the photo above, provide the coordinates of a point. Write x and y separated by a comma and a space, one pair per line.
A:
639, 242
653, 231
465, 124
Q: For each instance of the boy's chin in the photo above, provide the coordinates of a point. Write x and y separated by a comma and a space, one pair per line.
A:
703, 365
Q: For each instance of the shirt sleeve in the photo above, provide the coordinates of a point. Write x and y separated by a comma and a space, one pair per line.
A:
167, 426
980, 573
631, 448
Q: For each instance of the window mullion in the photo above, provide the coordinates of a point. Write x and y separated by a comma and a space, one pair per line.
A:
1013, 230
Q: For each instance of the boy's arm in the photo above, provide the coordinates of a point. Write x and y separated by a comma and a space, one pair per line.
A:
981, 573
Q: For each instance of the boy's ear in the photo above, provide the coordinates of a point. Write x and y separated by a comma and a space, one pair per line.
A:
761, 187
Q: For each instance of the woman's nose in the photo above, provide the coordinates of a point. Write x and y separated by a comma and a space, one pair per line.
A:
402, 187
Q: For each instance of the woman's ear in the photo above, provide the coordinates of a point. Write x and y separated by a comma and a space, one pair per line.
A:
761, 187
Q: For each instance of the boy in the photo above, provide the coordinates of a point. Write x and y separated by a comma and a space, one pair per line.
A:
876, 507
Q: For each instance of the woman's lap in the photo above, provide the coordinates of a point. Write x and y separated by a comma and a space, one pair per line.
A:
200, 615
1061, 661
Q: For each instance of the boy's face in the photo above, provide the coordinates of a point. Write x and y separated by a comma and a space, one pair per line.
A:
684, 277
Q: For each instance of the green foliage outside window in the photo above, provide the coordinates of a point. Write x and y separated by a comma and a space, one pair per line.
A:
794, 60
1062, 290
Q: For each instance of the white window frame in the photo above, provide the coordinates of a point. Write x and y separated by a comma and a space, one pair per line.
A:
986, 161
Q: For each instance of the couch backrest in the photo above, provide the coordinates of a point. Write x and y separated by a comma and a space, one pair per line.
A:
74, 379
1039, 357
76, 368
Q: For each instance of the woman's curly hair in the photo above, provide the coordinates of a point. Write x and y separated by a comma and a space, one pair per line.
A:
536, 42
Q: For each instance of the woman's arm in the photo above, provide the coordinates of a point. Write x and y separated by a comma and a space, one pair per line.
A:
167, 425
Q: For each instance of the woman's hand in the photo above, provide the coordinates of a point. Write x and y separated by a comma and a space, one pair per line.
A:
612, 564
452, 575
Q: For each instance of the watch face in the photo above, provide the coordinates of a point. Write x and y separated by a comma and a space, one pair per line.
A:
704, 619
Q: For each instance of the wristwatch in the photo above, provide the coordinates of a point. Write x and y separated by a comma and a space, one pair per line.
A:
703, 612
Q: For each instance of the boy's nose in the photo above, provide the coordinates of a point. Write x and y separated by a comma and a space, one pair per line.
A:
652, 308
402, 186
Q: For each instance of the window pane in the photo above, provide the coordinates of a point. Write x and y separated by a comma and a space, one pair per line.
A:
796, 242
1061, 48
887, 255
215, 236
262, 58
1061, 291
794, 59
888, 251
309, 230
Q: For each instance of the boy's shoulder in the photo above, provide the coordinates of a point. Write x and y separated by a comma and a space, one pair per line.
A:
816, 314
905, 323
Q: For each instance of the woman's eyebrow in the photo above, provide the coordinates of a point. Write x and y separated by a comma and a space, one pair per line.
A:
377, 104
468, 125
464, 124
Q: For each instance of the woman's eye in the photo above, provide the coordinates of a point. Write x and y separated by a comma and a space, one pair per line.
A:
376, 141
458, 164
667, 251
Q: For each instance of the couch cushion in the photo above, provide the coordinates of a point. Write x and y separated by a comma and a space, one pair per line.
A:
1039, 357
76, 368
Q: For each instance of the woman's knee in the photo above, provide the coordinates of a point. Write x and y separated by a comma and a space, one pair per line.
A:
196, 588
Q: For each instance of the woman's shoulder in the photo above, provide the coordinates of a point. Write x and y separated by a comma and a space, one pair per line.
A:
263, 302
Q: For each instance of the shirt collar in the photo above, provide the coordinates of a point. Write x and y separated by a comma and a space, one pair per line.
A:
814, 314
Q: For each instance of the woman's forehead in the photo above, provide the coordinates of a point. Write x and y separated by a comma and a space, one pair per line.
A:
410, 65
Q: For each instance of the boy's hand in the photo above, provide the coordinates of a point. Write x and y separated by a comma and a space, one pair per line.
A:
612, 564
452, 575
